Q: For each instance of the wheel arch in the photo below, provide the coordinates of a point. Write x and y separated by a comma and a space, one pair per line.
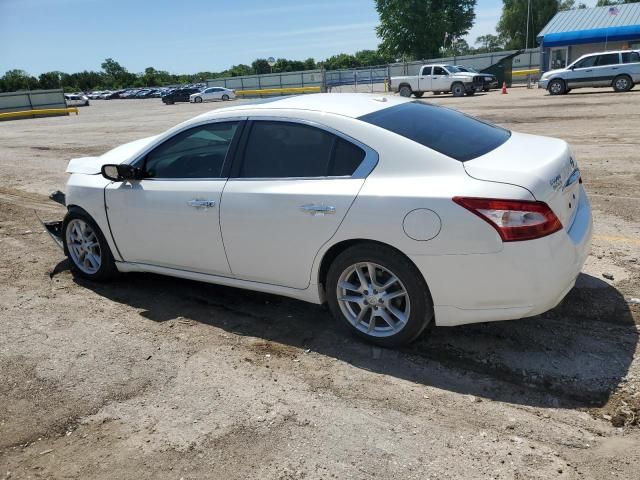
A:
103, 225
337, 248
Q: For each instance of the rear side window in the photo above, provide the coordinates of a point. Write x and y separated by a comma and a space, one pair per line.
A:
608, 59
630, 57
447, 131
291, 150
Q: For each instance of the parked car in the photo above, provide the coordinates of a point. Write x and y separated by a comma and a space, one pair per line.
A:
438, 79
371, 204
95, 95
617, 69
489, 79
212, 93
179, 95
76, 100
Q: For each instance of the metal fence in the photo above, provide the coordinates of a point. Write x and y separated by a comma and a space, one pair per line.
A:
307, 78
371, 79
31, 100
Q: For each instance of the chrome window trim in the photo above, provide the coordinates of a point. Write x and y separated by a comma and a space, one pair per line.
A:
365, 168
146, 151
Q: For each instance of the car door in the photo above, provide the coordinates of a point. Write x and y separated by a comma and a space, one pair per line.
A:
582, 73
171, 217
440, 80
605, 69
424, 82
286, 197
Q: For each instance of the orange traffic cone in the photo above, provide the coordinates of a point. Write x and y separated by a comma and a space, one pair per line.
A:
504, 88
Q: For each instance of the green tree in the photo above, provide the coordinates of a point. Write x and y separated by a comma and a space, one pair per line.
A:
15, 80
606, 3
570, 5
489, 43
513, 22
416, 29
49, 80
260, 66
116, 75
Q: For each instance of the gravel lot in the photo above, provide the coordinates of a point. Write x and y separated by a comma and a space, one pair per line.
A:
153, 377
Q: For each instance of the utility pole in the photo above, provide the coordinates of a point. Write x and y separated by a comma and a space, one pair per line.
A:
526, 40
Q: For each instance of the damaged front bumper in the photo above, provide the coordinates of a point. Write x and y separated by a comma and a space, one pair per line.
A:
54, 227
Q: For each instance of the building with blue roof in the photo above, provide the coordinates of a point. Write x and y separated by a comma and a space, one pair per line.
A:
573, 33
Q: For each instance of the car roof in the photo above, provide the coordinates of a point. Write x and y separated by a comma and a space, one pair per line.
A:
352, 105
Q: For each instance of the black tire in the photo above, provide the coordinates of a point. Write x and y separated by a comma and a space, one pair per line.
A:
622, 83
107, 268
485, 89
557, 87
420, 310
471, 92
457, 89
405, 91
198, 99
437, 93
418, 94
168, 102
225, 97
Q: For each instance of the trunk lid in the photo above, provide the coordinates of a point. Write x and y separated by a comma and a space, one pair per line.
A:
542, 165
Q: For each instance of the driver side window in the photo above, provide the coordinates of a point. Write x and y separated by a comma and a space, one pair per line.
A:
439, 71
586, 62
195, 153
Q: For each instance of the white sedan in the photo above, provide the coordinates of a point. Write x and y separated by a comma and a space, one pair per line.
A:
213, 93
397, 213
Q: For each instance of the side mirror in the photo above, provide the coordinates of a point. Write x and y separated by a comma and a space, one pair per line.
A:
120, 172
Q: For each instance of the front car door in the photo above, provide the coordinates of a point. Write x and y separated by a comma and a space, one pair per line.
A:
286, 197
605, 69
440, 80
581, 75
171, 217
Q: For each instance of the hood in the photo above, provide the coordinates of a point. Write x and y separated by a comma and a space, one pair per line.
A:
121, 154
553, 72
465, 74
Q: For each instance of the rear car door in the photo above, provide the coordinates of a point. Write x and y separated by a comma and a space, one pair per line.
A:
605, 69
424, 81
631, 65
582, 73
286, 197
171, 217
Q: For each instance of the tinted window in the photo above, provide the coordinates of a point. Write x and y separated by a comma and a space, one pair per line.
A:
426, 70
285, 150
630, 57
444, 130
346, 158
608, 59
195, 153
439, 71
586, 62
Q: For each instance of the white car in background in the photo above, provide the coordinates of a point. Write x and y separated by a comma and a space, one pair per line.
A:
76, 100
213, 93
371, 204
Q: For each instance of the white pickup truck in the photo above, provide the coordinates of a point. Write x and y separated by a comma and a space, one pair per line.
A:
438, 79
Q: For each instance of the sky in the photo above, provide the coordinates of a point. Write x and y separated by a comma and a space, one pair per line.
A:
190, 36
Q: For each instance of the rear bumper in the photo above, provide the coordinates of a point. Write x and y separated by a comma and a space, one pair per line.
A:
524, 279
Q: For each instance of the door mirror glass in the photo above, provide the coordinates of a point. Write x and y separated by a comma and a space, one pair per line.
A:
120, 173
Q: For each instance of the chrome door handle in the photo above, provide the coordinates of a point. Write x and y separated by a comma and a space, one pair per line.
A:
201, 203
317, 209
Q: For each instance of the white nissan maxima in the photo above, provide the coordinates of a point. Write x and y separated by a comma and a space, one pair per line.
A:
212, 93
397, 213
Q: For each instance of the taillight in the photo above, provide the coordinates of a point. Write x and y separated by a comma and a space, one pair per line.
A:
514, 220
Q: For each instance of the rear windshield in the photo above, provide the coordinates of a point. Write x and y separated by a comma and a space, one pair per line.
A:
447, 131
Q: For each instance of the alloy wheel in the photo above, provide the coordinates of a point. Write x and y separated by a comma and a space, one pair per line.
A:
83, 245
373, 299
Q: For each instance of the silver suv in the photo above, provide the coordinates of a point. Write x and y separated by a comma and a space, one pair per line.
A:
620, 70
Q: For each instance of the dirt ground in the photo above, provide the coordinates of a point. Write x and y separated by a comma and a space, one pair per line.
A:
153, 377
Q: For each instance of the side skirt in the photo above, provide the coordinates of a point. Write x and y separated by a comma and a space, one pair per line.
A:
311, 294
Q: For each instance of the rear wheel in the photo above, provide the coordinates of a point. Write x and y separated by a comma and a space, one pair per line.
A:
418, 94
86, 247
379, 295
405, 91
198, 99
457, 89
557, 87
622, 83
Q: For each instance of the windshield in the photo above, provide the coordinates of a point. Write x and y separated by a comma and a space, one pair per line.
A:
440, 129
452, 68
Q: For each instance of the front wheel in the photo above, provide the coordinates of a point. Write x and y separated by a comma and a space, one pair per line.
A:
622, 83
378, 294
457, 89
557, 87
198, 99
418, 94
86, 247
225, 97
